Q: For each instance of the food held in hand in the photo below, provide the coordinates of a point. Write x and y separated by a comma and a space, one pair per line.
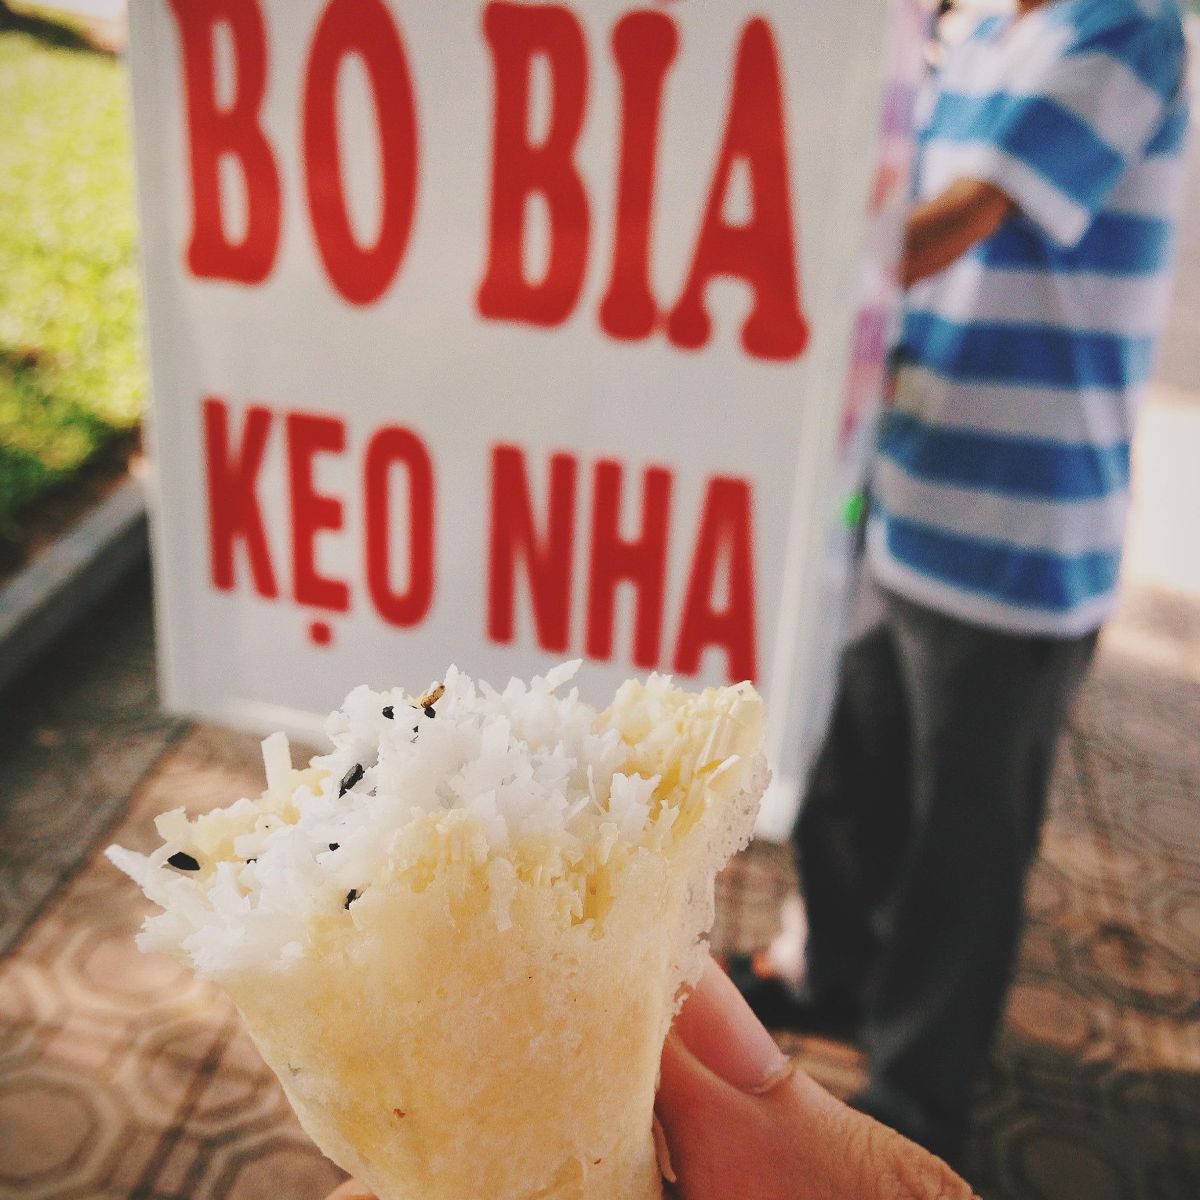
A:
459, 939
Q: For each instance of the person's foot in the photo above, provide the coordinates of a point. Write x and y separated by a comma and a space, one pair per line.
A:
779, 1007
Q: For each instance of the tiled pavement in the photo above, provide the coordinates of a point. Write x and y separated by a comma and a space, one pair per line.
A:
120, 1076
76, 735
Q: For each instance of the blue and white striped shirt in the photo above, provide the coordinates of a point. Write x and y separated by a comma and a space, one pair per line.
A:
1002, 484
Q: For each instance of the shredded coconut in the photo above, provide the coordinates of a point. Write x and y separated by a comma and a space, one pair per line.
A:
525, 784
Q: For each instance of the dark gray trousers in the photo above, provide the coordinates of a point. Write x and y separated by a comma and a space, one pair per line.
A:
913, 843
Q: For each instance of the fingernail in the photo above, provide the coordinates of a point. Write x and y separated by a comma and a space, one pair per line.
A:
721, 1030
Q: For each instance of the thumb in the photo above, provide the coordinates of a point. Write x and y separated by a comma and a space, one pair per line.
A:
741, 1120
351, 1190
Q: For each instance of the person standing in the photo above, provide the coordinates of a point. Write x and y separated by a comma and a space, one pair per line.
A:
1037, 264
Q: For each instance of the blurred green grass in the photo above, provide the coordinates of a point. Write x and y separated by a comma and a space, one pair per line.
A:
71, 368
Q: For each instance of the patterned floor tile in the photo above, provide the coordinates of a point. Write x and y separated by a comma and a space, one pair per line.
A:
76, 734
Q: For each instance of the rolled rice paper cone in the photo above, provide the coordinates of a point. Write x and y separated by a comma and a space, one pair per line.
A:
452, 1061
484, 1025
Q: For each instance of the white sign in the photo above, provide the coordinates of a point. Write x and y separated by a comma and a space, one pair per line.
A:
500, 333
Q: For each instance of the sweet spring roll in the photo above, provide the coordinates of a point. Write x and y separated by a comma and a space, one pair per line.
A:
460, 937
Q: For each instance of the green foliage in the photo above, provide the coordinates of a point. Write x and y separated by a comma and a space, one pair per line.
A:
71, 372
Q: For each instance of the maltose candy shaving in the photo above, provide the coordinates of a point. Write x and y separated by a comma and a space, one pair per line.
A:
538, 783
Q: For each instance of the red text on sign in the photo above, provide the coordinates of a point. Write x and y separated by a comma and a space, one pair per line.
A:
234, 516
394, 450
519, 35
538, 548
313, 512
760, 251
365, 28
233, 130
535, 539
234, 461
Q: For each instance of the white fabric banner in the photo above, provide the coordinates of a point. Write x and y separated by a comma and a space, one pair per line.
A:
504, 333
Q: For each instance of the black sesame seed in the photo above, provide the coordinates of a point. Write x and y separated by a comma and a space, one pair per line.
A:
351, 777
351, 896
430, 711
389, 712
185, 862
334, 845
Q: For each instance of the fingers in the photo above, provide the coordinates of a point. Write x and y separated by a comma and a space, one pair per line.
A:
888, 1160
721, 1030
717, 1064
740, 1120
717, 1137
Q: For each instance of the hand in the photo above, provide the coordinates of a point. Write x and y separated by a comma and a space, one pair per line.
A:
742, 1120
941, 230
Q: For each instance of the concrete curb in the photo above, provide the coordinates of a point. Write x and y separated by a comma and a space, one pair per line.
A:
66, 580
